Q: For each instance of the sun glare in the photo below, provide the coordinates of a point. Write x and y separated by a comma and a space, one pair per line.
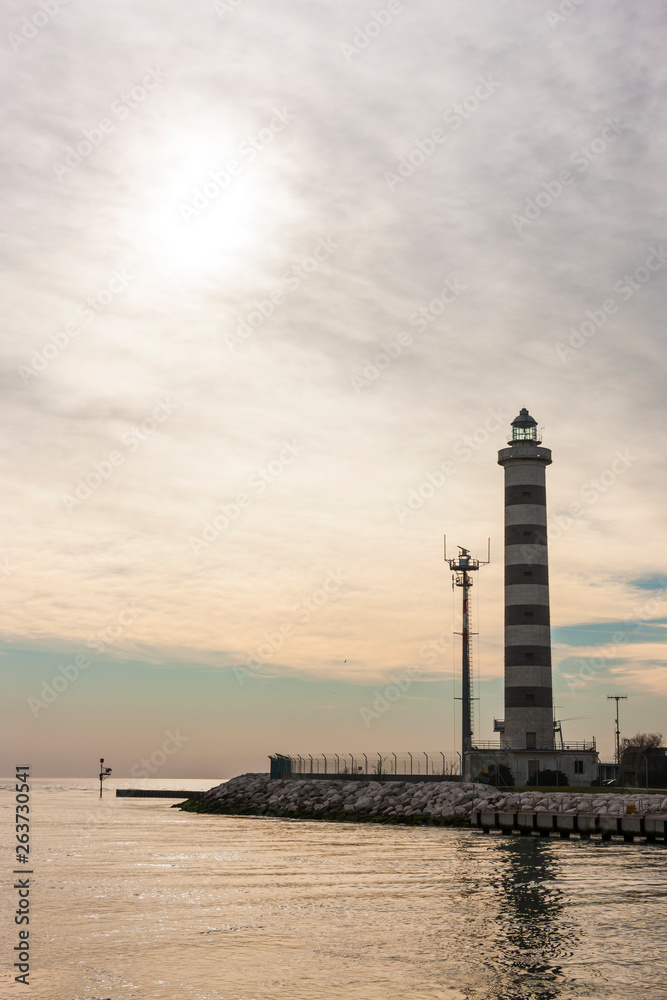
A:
204, 216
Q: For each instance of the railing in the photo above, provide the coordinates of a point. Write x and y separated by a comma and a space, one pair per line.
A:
374, 764
496, 745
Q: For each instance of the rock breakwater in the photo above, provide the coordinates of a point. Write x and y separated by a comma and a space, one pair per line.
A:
437, 802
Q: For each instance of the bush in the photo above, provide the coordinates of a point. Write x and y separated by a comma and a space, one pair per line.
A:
552, 778
498, 775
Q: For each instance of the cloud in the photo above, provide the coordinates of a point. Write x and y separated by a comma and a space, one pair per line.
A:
162, 335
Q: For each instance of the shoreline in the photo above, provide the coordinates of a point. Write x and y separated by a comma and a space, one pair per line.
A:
399, 802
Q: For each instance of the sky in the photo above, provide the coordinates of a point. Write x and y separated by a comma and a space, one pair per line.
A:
277, 279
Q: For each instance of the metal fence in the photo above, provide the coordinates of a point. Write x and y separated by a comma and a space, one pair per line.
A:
425, 763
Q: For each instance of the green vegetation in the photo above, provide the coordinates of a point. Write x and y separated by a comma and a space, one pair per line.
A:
497, 775
552, 777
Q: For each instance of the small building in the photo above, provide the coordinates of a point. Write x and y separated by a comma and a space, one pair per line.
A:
656, 768
578, 762
650, 770
608, 772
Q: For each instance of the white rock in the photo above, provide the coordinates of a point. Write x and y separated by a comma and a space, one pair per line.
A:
365, 802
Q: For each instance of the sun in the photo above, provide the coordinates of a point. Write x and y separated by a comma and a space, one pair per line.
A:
212, 228
204, 216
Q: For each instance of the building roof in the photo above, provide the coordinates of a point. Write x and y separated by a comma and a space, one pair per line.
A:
524, 419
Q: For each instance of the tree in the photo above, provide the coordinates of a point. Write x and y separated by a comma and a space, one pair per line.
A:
634, 752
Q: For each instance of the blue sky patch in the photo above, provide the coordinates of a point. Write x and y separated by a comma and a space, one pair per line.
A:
654, 581
601, 633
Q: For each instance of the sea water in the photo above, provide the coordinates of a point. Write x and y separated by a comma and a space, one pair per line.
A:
131, 898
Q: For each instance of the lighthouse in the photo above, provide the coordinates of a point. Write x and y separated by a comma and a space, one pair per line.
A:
528, 722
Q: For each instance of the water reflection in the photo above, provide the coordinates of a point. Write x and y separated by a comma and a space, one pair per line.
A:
144, 901
533, 935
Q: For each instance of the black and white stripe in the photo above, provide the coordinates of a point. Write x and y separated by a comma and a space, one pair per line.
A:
528, 692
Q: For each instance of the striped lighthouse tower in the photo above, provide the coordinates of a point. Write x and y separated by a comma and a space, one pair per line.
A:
528, 699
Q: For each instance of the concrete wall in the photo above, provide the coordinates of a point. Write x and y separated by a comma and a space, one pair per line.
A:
520, 766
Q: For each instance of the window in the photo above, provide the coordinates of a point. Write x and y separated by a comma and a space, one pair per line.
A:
529, 656
524, 433
578, 767
526, 493
531, 741
530, 698
527, 572
527, 534
528, 614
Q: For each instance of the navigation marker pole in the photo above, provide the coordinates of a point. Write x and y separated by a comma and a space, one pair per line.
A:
104, 773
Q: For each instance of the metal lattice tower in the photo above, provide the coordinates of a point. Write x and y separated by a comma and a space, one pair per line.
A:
462, 567
617, 698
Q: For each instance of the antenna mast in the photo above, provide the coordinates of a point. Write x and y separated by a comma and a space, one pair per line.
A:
462, 567
617, 698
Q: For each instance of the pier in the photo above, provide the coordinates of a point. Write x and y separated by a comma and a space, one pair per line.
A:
155, 793
584, 825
